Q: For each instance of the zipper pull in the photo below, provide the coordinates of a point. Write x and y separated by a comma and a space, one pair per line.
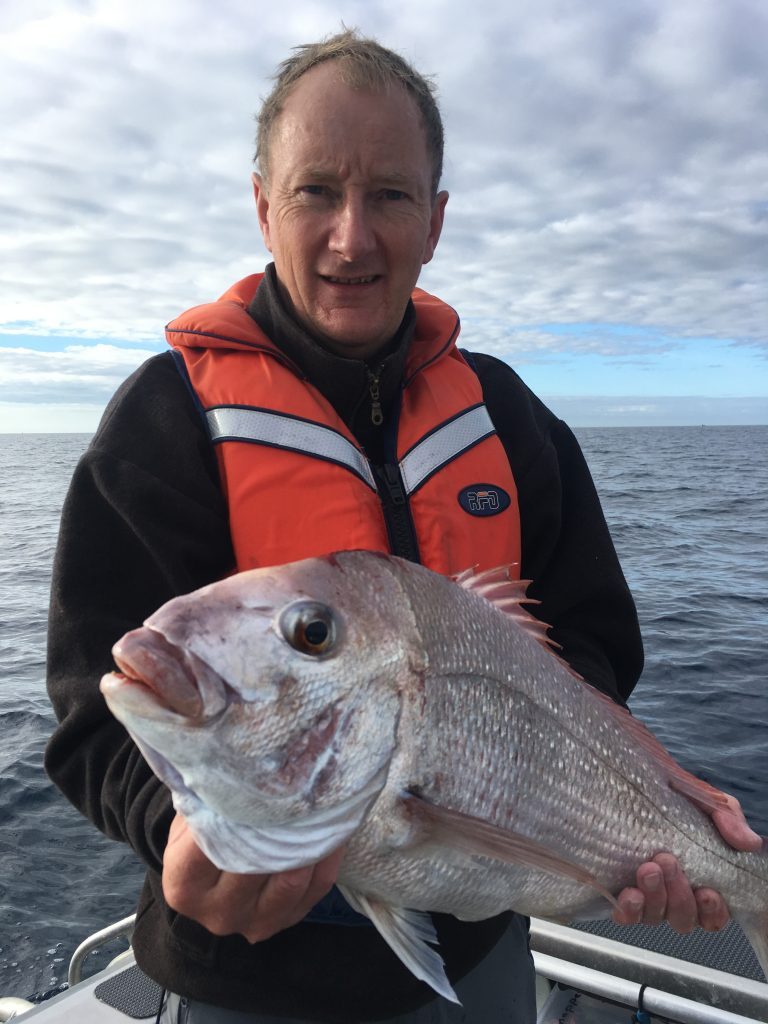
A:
377, 416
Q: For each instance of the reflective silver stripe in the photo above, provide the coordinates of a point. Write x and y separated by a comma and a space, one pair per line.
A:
232, 424
444, 445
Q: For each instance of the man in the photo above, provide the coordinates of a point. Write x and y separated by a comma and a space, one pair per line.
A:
328, 340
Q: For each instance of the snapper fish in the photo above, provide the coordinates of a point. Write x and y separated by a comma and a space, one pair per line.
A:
423, 721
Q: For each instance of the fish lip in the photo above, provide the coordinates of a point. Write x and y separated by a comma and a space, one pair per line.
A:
127, 695
171, 677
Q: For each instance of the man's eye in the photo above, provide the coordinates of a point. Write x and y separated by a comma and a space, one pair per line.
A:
393, 194
312, 190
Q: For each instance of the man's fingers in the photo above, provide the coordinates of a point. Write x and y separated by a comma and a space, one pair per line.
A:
289, 896
647, 902
632, 903
732, 826
282, 902
650, 881
230, 906
663, 893
255, 906
681, 910
712, 908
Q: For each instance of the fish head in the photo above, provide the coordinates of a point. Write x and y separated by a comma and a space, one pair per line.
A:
272, 696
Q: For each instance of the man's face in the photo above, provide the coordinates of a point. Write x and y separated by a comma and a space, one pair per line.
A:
347, 209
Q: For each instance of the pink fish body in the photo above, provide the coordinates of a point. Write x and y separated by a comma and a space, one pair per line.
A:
362, 699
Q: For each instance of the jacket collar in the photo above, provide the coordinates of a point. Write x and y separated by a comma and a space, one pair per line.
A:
251, 314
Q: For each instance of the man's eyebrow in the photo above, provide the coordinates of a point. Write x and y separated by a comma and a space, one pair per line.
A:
318, 173
382, 180
396, 178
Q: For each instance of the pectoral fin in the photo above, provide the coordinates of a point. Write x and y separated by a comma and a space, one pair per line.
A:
472, 835
407, 933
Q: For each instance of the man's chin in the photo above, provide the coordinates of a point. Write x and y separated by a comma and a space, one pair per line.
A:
354, 340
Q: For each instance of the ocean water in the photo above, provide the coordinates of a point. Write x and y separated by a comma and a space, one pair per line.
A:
688, 509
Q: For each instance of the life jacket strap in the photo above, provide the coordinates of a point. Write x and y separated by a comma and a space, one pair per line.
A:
443, 445
278, 430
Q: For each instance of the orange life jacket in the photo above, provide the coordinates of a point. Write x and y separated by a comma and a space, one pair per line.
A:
296, 480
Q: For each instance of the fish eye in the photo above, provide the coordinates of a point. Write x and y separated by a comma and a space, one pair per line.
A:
309, 627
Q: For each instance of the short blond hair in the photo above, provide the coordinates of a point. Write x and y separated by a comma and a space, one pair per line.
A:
364, 64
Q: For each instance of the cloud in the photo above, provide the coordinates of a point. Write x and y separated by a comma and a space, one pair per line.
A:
605, 164
610, 170
525, 345
86, 374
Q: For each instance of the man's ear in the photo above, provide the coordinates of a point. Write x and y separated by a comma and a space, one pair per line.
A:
262, 206
435, 226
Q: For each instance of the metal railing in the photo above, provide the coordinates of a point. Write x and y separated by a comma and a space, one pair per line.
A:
674, 988
120, 929
628, 993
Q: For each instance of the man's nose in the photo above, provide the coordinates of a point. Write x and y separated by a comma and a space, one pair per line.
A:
352, 234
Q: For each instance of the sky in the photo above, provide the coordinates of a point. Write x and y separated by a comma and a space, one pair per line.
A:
607, 163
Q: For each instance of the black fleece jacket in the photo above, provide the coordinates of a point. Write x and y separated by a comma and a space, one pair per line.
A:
145, 520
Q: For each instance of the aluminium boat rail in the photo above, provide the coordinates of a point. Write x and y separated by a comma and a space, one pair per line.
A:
671, 986
122, 929
605, 979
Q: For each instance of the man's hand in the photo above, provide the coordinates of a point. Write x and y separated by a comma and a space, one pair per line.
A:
663, 892
255, 906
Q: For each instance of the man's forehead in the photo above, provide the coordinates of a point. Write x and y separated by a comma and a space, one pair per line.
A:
337, 131
322, 98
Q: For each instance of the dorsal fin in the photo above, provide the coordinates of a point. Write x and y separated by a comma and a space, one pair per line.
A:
509, 594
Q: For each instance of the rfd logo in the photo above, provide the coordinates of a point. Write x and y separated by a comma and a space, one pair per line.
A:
484, 499
484, 502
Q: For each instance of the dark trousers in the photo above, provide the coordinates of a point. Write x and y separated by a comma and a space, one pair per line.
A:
500, 990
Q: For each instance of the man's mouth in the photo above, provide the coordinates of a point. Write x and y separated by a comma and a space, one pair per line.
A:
334, 279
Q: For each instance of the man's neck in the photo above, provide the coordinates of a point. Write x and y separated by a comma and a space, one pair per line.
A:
346, 383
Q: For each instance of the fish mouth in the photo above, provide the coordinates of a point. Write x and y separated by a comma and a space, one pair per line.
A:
157, 678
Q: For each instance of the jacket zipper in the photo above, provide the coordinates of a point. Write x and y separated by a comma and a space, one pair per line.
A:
401, 531
397, 512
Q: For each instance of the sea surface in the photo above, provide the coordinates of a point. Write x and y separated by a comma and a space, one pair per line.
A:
688, 509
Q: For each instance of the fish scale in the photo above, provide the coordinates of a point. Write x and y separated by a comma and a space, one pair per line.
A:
431, 729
